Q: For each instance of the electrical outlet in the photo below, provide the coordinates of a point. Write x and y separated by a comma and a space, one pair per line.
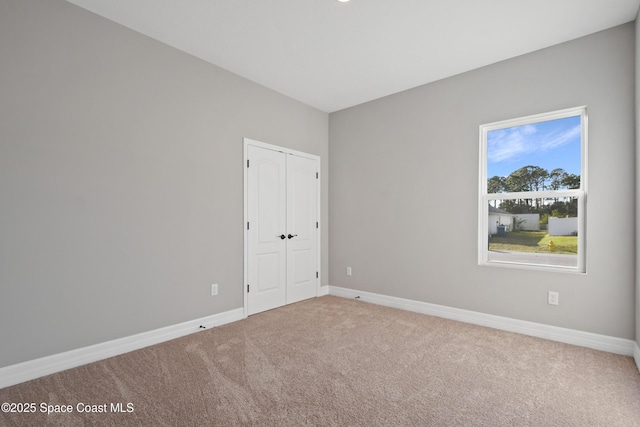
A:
348, 271
553, 298
214, 289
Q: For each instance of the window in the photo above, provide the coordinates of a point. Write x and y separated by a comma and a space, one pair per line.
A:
533, 191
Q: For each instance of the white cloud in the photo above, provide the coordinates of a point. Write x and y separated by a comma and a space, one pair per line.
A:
520, 141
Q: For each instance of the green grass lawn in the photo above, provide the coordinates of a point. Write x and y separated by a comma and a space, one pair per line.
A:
533, 241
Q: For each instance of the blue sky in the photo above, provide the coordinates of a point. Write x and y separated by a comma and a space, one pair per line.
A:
551, 144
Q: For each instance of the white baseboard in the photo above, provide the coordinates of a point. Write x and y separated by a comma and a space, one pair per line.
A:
25, 371
569, 336
324, 290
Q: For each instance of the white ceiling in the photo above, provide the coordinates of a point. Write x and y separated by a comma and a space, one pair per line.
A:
334, 55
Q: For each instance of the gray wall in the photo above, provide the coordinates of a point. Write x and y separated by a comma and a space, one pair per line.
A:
637, 57
121, 195
404, 188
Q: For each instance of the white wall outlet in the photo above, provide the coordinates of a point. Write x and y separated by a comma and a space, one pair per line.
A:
553, 298
348, 271
214, 289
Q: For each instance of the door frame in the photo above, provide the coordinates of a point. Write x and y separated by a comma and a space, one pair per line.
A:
246, 143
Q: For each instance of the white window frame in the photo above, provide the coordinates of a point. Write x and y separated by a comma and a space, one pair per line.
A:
580, 193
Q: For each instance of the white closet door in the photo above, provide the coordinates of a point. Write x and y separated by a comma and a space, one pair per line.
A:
282, 209
301, 228
267, 208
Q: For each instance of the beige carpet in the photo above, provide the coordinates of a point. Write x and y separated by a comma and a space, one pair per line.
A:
333, 361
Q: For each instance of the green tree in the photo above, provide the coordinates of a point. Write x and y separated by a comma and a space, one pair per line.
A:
535, 178
495, 184
571, 181
527, 178
556, 178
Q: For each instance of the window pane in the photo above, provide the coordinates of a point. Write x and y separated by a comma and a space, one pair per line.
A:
535, 157
534, 231
532, 192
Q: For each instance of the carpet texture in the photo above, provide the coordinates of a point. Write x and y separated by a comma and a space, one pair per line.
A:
338, 362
